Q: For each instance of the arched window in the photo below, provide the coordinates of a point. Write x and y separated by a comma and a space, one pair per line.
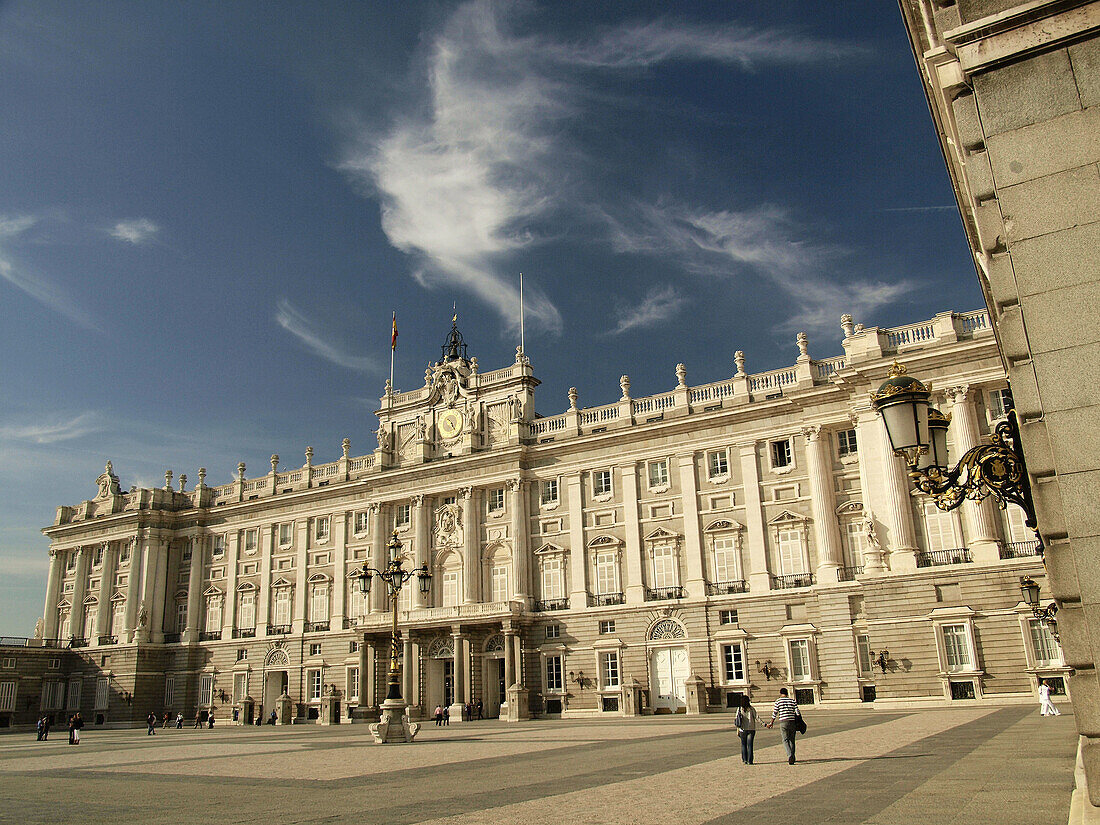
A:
665, 629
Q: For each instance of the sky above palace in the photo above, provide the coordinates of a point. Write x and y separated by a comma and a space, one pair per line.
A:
208, 212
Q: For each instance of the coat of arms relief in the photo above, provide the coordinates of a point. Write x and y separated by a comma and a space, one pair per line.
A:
448, 526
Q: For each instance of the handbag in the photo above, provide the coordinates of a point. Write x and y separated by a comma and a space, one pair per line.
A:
800, 724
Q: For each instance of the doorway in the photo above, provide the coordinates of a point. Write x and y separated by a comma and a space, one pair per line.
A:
495, 691
276, 683
668, 669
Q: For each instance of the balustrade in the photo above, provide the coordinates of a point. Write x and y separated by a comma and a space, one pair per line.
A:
937, 558
727, 587
654, 594
792, 581
1020, 549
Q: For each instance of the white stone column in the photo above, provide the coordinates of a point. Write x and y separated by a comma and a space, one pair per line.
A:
263, 597
80, 585
471, 546
901, 533
460, 667
635, 584
578, 557
823, 504
407, 670
980, 518
509, 662
160, 590
53, 595
422, 548
166, 616
367, 658
133, 590
339, 570
106, 590
870, 469
694, 561
760, 577
301, 597
521, 541
148, 559
194, 588
379, 557
229, 610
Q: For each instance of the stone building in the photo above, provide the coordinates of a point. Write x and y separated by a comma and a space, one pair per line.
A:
1014, 89
656, 554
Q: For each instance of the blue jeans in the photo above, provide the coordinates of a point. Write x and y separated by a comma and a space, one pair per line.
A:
746, 745
787, 734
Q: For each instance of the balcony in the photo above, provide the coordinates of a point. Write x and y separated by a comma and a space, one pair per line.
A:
848, 574
656, 594
317, 627
551, 604
350, 622
605, 599
938, 558
210, 635
1020, 549
726, 588
244, 633
108, 640
792, 581
77, 641
278, 629
172, 638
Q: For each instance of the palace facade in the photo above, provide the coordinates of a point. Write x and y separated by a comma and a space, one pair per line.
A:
656, 554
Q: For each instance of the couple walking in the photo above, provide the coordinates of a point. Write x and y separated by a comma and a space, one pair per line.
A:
785, 711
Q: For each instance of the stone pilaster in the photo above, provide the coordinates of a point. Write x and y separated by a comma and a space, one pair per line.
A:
460, 668
694, 561
422, 547
760, 577
980, 519
867, 439
53, 595
578, 588
301, 596
367, 682
339, 569
263, 598
471, 546
106, 590
379, 556
148, 561
156, 599
80, 585
521, 540
133, 591
634, 588
901, 536
194, 588
823, 502
229, 611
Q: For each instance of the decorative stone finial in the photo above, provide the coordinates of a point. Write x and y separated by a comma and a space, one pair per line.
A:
389, 387
309, 456
345, 446
202, 478
739, 360
274, 463
428, 377
624, 383
168, 480
803, 342
681, 375
847, 325
109, 469
183, 482
521, 356
573, 395
240, 471
473, 365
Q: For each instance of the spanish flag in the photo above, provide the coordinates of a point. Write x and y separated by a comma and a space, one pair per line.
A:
393, 337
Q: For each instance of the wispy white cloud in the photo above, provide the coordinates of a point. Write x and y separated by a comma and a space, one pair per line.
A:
308, 332
134, 231
659, 305
52, 431
469, 178
12, 228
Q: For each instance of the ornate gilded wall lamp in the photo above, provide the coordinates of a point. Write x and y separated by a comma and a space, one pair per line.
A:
882, 659
918, 433
579, 678
1029, 589
768, 669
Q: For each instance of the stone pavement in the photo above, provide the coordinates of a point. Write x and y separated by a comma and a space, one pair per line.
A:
973, 765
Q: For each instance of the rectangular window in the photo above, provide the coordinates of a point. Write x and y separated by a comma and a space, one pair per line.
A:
791, 559
609, 668
939, 528
800, 659
548, 492
664, 566
781, 453
727, 617
7, 697
725, 559
658, 473
318, 609
854, 537
1042, 642
551, 578
863, 650
240, 687
314, 648
554, 681
601, 483
362, 522
70, 562
553, 631
97, 557
242, 654
607, 574
282, 606
124, 552
402, 515
1017, 530
955, 647
246, 615
251, 541
496, 499
206, 690
353, 683
218, 548
607, 626
499, 588
450, 588
355, 601
169, 690
717, 464
353, 646
314, 684
9, 663
846, 443
181, 617
286, 534
1000, 402
320, 528
213, 614
118, 618
733, 662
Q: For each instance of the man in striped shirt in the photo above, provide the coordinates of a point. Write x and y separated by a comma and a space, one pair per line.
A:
786, 712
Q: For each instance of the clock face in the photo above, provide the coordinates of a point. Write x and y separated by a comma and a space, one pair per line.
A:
449, 424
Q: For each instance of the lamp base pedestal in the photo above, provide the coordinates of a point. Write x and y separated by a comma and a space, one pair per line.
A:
394, 724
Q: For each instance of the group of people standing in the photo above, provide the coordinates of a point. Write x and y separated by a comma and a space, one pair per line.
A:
785, 711
470, 711
76, 724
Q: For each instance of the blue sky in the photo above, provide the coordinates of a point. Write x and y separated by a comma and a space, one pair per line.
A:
208, 212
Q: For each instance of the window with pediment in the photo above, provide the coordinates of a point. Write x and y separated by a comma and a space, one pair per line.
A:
724, 540
789, 535
662, 551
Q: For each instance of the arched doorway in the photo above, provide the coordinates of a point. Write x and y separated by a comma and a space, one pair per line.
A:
441, 673
276, 678
493, 688
669, 666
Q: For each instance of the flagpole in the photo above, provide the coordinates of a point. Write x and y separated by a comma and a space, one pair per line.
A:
393, 348
521, 336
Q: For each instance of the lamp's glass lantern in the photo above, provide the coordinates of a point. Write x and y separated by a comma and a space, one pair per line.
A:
937, 446
902, 401
365, 577
1029, 589
425, 577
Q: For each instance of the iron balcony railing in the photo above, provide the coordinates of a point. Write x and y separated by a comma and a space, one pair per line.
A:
605, 599
937, 558
278, 629
847, 574
22, 641
655, 594
77, 641
551, 604
108, 640
316, 627
1020, 549
725, 588
210, 635
350, 622
793, 580
244, 632
172, 638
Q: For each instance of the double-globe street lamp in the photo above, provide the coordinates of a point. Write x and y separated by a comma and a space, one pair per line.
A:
394, 725
918, 434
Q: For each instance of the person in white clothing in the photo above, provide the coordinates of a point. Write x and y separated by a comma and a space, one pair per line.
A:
1046, 707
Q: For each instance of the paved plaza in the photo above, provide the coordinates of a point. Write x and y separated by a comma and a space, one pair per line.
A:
974, 765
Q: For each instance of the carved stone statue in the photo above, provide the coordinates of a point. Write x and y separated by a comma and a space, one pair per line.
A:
143, 614
38, 628
869, 532
383, 438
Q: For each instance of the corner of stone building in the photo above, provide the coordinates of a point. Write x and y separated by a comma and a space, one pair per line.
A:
1082, 806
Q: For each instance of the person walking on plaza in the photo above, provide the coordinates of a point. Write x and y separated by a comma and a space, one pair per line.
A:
151, 721
45, 728
179, 720
41, 728
438, 715
210, 721
1046, 707
77, 725
446, 715
786, 712
746, 721
480, 707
